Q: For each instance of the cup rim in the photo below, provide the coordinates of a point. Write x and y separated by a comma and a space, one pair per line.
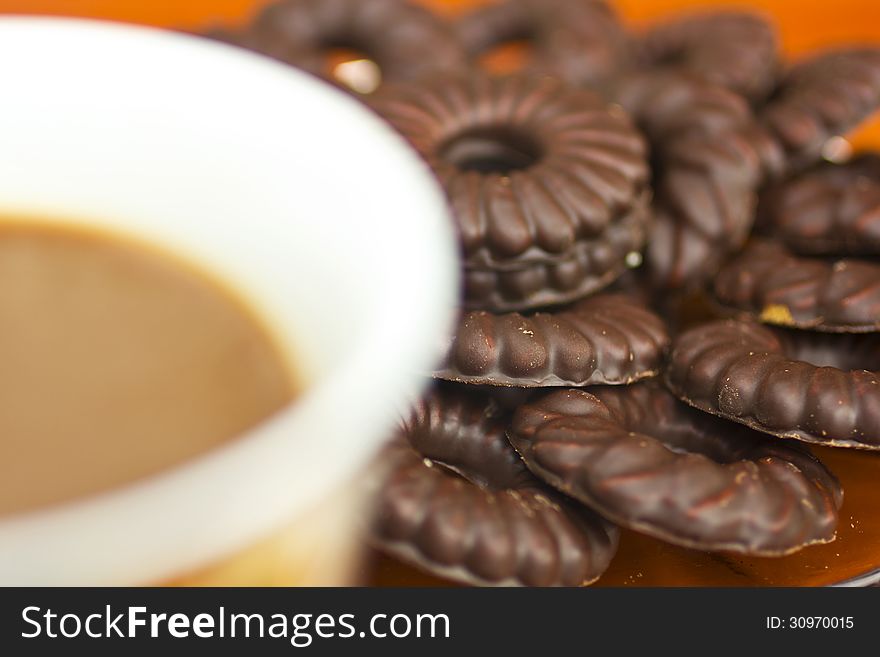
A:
870, 578
99, 539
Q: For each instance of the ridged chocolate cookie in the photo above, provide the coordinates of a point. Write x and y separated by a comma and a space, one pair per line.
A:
531, 167
656, 466
404, 40
590, 266
831, 209
457, 501
816, 388
822, 98
605, 339
777, 287
581, 42
738, 50
710, 156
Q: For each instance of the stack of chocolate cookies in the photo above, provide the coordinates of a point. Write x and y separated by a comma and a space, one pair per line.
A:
595, 191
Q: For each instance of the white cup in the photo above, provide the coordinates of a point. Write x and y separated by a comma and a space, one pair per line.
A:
291, 193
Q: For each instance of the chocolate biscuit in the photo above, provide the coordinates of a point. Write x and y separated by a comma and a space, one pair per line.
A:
709, 158
580, 42
831, 209
821, 98
605, 339
590, 266
404, 40
816, 388
654, 465
456, 500
738, 50
531, 167
820, 294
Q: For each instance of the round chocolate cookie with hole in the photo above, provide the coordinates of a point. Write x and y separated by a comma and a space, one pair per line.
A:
820, 294
604, 339
355, 44
532, 168
738, 50
590, 266
814, 387
454, 499
821, 99
651, 464
581, 42
709, 157
831, 209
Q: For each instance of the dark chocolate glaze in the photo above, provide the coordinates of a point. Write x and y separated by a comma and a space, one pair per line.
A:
780, 288
580, 42
590, 266
405, 41
821, 98
788, 384
710, 156
605, 339
531, 167
656, 466
832, 209
457, 501
738, 50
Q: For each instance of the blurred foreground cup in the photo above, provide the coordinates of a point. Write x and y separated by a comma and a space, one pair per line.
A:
302, 200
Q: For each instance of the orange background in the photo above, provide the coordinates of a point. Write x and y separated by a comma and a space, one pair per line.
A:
805, 25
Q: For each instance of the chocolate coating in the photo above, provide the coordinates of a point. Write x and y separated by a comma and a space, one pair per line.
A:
658, 467
766, 379
590, 266
610, 339
832, 209
710, 156
796, 291
580, 42
531, 167
405, 41
824, 97
737, 50
457, 501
